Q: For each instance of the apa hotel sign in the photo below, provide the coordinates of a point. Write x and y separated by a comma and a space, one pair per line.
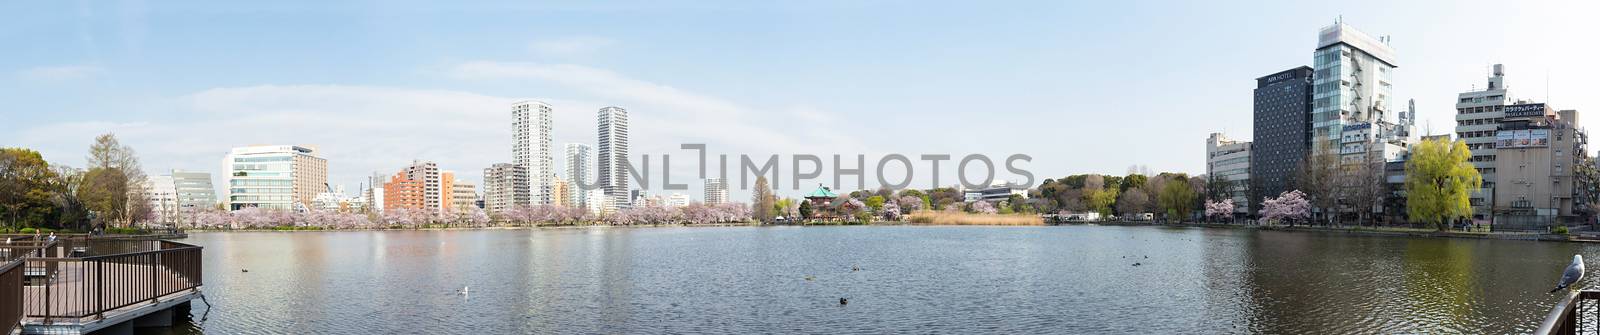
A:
1524, 110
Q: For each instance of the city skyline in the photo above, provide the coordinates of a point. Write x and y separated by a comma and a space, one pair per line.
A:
365, 118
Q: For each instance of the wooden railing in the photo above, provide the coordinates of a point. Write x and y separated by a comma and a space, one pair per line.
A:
63, 284
1577, 313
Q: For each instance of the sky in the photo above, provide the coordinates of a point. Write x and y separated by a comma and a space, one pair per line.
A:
1081, 87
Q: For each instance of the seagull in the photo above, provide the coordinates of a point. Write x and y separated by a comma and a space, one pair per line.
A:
1573, 273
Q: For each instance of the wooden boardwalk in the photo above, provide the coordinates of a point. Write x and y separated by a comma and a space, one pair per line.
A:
76, 294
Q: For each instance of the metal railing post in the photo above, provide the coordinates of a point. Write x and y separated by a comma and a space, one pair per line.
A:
48, 281
153, 292
99, 290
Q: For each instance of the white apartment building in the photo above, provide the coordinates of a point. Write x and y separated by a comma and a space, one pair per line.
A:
531, 146
716, 191
464, 196
1229, 160
505, 186
580, 171
1478, 116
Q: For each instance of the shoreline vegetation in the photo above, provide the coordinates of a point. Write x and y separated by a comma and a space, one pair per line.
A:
942, 218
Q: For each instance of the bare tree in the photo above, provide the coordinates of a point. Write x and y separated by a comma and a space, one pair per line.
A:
1318, 181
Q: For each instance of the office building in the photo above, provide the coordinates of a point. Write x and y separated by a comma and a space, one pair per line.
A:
1352, 85
716, 191
1228, 161
531, 146
273, 176
1536, 151
612, 124
1282, 133
505, 185
1478, 115
194, 189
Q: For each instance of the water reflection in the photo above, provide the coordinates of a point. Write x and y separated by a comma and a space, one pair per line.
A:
898, 279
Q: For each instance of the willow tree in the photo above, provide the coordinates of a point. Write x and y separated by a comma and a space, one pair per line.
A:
1439, 181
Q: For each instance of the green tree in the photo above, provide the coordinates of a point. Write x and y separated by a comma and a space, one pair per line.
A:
1439, 181
112, 187
1101, 200
805, 209
1017, 203
26, 188
783, 206
875, 202
1133, 180
1177, 198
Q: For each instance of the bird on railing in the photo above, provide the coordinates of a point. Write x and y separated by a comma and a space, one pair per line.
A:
1572, 275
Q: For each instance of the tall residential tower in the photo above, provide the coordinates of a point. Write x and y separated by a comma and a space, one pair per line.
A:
612, 124
530, 147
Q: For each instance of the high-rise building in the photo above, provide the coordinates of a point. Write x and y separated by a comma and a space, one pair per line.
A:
530, 147
374, 193
432, 190
505, 186
564, 194
274, 176
404, 192
1478, 115
447, 190
1282, 133
463, 196
1352, 85
1229, 160
1536, 151
580, 171
716, 191
613, 154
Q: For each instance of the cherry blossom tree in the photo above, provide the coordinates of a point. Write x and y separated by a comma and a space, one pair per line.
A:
1291, 206
1219, 209
890, 211
909, 204
983, 207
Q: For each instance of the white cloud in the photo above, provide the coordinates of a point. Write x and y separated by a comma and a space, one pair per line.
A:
360, 129
570, 46
59, 73
367, 129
